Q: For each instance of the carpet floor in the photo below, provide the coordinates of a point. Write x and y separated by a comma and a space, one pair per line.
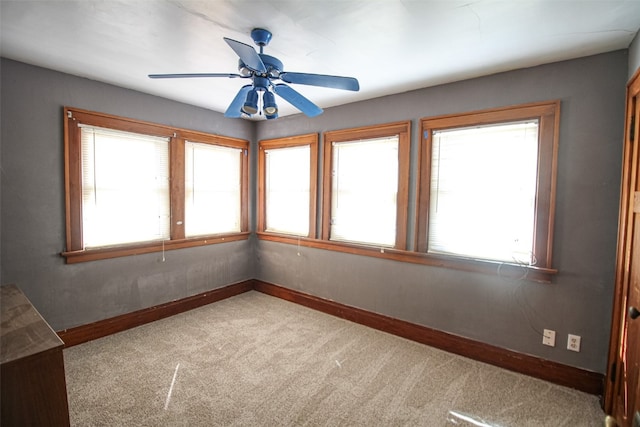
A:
256, 360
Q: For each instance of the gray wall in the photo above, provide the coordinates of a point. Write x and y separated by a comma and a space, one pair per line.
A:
506, 313
33, 217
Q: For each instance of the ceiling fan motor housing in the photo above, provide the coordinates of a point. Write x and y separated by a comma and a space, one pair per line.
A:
272, 64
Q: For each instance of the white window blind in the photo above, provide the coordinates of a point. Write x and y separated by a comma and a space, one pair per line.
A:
125, 187
364, 191
483, 190
288, 190
212, 189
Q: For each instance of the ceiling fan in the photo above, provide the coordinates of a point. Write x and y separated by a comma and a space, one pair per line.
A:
264, 70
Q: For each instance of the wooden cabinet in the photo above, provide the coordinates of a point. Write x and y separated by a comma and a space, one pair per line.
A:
32, 381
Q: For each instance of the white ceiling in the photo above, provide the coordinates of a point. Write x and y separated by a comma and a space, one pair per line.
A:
390, 46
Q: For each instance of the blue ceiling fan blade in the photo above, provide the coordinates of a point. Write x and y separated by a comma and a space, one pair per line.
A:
188, 75
234, 110
247, 54
297, 100
336, 82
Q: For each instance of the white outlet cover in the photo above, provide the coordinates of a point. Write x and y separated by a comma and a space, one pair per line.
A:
573, 342
549, 338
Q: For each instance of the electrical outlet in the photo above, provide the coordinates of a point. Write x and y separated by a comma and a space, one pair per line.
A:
549, 337
573, 342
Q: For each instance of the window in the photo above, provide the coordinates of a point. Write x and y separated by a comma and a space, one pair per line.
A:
288, 171
106, 187
134, 187
366, 174
212, 199
487, 185
363, 191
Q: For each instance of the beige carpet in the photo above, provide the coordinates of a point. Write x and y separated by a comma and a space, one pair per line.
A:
255, 360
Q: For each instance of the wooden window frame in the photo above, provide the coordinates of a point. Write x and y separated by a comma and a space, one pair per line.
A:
75, 252
400, 129
293, 141
548, 114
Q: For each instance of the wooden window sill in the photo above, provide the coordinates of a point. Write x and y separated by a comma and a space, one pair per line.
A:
73, 257
501, 269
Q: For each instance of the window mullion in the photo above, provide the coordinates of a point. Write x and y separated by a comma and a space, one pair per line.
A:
244, 190
176, 179
402, 200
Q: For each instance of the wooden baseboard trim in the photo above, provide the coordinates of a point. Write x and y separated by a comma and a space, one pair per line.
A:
554, 372
103, 328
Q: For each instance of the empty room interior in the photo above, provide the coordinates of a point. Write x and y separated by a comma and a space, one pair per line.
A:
330, 212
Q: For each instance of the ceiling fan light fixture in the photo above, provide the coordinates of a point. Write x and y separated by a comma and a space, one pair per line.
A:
269, 105
243, 69
251, 103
